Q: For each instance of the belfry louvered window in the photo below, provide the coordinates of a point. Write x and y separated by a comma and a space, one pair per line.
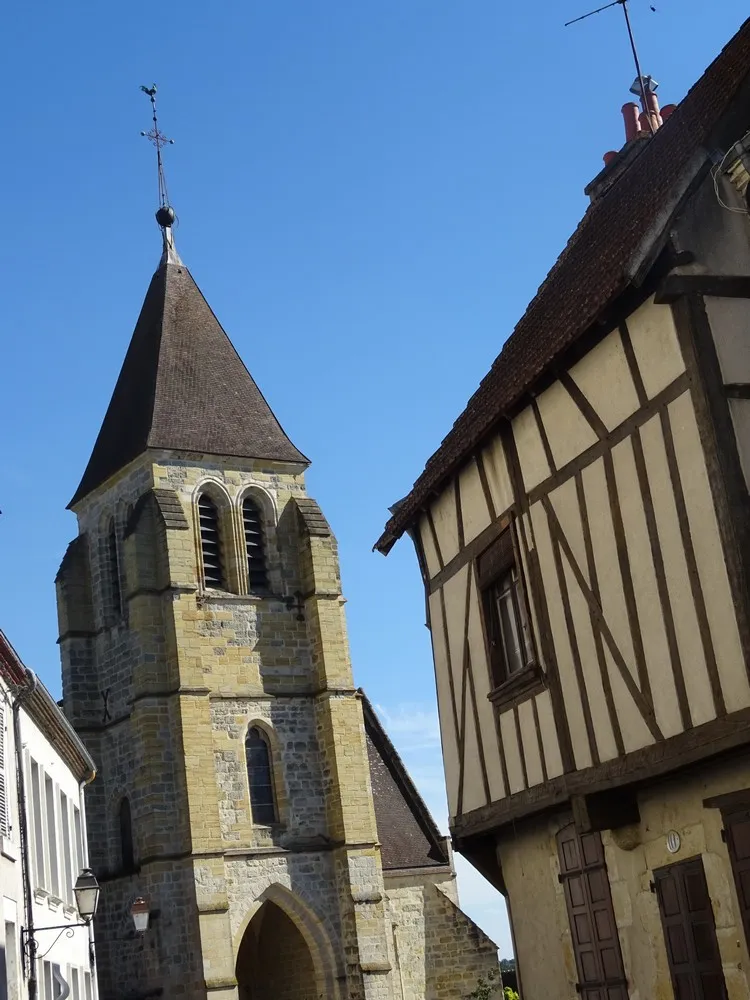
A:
260, 777
256, 557
208, 517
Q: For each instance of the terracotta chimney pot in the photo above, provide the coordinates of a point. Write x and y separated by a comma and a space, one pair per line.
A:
632, 124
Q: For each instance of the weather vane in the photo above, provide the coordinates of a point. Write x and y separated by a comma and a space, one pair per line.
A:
640, 82
165, 216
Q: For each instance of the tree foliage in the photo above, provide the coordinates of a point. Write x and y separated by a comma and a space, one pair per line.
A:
489, 988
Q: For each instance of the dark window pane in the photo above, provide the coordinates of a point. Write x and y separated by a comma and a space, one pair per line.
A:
127, 854
113, 572
262, 799
507, 625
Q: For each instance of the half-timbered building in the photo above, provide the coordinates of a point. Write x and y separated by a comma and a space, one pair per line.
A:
584, 540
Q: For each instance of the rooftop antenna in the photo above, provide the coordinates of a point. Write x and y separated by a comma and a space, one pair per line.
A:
165, 214
640, 82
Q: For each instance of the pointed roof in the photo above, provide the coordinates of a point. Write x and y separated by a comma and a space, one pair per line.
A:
407, 832
183, 387
609, 252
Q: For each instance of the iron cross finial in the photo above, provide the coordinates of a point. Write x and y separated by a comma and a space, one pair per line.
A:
157, 137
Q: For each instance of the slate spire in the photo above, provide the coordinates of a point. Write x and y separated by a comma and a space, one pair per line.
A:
182, 386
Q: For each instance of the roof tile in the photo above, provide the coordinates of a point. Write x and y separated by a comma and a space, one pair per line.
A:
183, 387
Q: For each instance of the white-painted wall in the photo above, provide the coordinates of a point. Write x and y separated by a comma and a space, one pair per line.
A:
52, 882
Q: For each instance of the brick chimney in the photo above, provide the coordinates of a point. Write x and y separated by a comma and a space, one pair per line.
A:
641, 122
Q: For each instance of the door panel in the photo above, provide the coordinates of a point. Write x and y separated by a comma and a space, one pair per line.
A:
689, 932
601, 975
737, 826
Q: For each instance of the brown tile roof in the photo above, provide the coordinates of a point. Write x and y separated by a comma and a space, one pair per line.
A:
183, 387
596, 266
407, 832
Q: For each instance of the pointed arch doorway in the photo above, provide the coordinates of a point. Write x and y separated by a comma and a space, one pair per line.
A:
274, 961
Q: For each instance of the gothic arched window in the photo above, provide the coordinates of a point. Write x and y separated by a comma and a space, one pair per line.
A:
213, 563
256, 558
113, 573
127, 854
260, 776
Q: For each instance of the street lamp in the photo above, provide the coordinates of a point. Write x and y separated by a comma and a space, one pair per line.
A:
86, 891
139, 911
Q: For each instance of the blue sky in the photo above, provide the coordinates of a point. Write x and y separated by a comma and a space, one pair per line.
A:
369, 194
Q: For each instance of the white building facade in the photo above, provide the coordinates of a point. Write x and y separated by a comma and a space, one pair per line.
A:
45, 951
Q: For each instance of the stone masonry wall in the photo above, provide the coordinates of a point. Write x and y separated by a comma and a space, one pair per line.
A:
307, 876
163, 694
441, 953
290, 724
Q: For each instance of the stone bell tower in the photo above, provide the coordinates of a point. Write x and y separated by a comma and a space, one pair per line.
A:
206, 667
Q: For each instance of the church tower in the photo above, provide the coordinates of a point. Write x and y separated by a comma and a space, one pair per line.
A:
206, 666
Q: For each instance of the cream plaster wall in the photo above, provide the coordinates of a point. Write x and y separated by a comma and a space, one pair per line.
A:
498, 478
603, 377
540, 920
540, 927
474, 512
567, 430
655, 346
446, 523
428, 547
531, 454
676, 804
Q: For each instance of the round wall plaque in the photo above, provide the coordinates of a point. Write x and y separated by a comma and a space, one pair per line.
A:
673, 842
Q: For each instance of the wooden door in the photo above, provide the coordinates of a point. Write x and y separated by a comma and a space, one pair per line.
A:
583, 872
737, 826
689, 932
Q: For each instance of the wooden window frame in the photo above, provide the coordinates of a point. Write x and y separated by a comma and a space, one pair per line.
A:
495, 563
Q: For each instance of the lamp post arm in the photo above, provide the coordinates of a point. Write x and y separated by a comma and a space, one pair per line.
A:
28, 937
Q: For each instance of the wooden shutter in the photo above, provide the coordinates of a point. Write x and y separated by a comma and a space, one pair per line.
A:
689, 932
496, 559
601, 975
3, 787
737, 826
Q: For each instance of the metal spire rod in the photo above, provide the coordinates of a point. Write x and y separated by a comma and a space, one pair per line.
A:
624, 5
158, 139
646, 108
